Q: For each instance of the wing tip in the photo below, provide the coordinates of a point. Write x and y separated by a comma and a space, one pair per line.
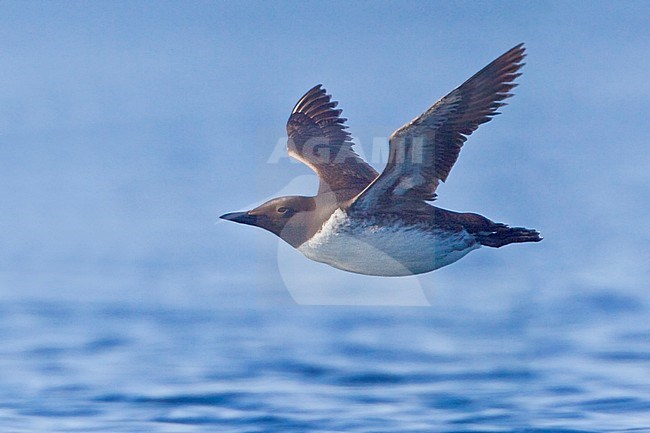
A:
309, 95
318, 105
519, 48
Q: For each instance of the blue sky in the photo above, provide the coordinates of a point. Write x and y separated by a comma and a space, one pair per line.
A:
127, 128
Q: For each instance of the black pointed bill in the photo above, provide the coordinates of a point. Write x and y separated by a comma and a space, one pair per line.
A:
240, 217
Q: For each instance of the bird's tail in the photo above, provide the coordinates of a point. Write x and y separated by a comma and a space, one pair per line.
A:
501, 234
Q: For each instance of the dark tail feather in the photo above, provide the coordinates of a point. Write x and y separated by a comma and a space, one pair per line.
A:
500, 235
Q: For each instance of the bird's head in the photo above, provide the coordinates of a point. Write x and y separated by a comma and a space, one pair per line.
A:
286, 217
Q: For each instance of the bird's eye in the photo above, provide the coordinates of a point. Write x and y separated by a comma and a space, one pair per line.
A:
282, 209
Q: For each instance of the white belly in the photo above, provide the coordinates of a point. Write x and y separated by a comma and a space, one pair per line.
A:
385, 250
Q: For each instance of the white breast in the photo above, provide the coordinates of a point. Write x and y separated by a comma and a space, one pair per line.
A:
385, 250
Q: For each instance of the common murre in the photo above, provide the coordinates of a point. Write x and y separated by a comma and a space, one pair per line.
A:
382, 224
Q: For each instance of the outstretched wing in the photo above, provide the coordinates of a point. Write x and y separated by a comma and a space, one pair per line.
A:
423, 151
318, 137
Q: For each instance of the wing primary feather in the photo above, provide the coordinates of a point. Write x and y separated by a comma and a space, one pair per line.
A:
444, 128
318, 137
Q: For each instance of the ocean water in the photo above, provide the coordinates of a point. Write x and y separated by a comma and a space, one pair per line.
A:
582, 365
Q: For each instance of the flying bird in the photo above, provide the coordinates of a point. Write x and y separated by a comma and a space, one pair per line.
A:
384, 224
